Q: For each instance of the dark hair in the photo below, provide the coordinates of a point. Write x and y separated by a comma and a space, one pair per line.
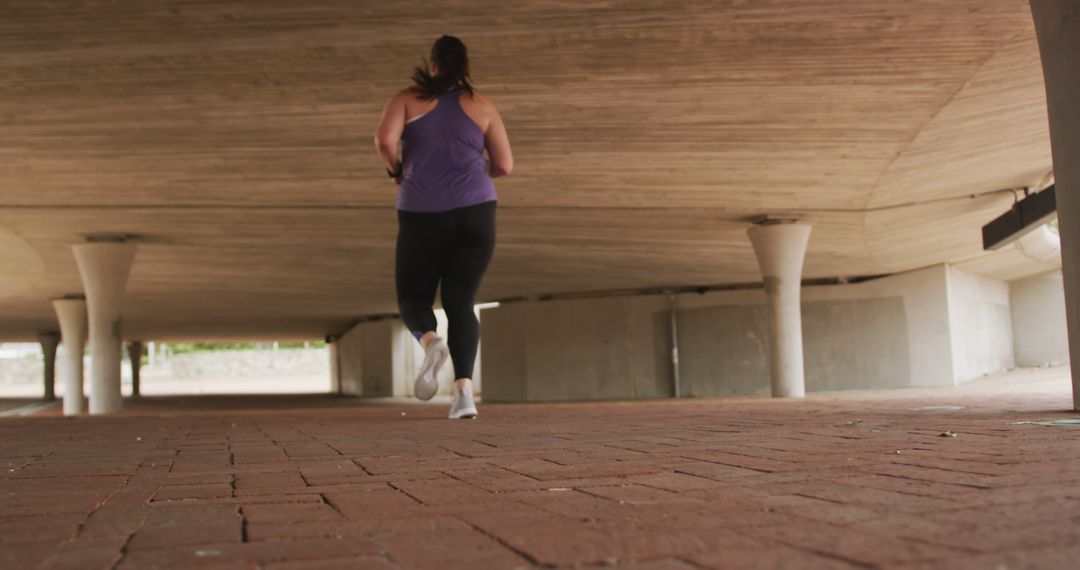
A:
451, 58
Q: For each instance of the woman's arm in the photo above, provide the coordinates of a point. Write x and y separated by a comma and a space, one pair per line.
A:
388, 135
498, 146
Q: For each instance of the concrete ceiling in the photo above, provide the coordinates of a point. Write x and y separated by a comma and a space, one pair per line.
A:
233, 139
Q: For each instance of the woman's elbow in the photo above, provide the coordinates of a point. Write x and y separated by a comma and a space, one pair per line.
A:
502, 168
384, 143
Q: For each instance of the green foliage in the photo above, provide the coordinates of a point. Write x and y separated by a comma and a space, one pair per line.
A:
319, 344
187, 347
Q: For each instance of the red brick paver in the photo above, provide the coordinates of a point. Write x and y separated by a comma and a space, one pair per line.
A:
857, 482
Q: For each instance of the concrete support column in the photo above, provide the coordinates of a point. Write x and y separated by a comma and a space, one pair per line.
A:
135, 353
780, 249
104, 266
1057, 25
71, 312
335, 365
49, 342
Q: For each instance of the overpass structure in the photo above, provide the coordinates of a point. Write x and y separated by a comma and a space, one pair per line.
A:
203, 170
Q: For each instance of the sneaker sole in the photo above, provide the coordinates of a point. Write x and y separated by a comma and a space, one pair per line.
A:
469, 415
430, 376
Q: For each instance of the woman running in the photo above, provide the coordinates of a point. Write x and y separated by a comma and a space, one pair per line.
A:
432, 137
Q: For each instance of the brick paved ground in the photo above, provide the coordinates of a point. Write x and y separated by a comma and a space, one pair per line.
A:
858, 482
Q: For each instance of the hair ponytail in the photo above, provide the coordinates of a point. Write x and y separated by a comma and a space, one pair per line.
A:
452, 60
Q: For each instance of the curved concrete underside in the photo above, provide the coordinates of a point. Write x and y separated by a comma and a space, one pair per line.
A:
233, 140
22, 266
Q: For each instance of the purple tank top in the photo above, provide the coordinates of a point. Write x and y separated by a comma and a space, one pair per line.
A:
443, 165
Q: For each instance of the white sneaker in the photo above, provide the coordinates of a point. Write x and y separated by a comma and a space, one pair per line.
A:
427, 382
462, 406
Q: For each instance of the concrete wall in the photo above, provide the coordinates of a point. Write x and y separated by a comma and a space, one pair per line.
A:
381, 359
723, 347
849, 343
335, 370
366, 359
578, 350
936, 326
932, 327
1040, 336
886, 333
981, 325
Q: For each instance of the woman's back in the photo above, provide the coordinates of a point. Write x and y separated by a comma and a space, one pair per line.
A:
443, 165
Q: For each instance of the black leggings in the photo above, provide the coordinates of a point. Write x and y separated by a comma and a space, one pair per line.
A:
453, 248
